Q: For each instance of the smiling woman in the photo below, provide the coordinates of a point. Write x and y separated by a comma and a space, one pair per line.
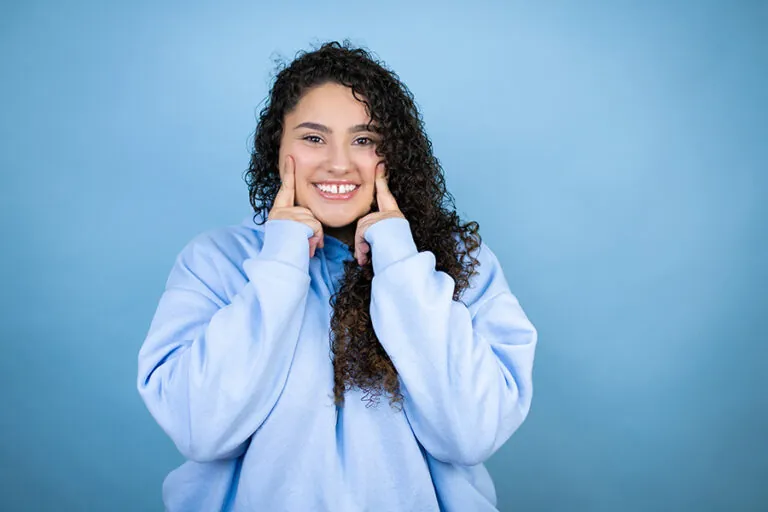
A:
353, 279
333, 148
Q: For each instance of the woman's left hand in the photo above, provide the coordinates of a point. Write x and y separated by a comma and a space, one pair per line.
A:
387, 209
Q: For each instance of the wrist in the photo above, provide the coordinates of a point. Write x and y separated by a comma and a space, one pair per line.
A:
287, 241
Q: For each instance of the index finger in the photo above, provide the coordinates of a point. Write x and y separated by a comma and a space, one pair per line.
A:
285, 196
384, 197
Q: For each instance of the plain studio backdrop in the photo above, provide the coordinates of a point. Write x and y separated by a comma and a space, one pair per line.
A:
614, 154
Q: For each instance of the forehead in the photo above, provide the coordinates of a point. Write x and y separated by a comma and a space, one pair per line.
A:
330, 103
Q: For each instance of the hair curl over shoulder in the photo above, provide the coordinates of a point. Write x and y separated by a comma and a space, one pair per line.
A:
415, 178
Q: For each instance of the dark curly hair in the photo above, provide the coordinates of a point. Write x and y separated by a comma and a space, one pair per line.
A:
415, 179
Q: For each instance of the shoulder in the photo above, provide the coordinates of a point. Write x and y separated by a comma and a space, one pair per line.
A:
235, 241
213, 259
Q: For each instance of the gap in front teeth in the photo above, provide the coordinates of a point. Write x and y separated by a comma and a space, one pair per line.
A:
336, 189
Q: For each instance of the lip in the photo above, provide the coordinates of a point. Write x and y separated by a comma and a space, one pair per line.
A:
336, 197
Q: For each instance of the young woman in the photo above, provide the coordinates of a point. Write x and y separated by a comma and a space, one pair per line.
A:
354, 279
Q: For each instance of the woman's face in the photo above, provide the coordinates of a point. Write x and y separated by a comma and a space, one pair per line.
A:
334, 153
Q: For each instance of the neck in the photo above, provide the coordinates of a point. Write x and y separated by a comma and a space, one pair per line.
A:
346, 233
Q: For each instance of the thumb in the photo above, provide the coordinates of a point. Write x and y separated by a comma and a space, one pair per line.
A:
286, 195
384, 197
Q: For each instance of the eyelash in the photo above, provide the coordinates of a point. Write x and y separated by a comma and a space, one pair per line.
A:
311, 138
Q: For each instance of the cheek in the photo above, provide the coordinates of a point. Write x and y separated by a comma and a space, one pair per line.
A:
305, 162
368, 175
367, 165
307, 159
301, 154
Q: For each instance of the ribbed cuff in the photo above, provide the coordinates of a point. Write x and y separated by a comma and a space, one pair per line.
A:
287, 241
391, 240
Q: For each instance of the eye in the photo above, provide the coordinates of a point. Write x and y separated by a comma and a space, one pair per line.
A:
314, 139
367, 141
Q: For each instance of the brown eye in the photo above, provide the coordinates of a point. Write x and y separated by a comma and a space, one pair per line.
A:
367, 141
314, 139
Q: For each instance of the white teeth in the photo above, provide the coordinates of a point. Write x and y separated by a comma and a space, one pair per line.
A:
336, 189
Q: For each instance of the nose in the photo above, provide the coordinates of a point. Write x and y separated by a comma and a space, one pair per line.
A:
340, 161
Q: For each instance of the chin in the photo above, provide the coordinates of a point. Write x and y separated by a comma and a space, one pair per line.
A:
336, 221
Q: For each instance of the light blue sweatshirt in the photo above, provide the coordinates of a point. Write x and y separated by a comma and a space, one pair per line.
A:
236, 369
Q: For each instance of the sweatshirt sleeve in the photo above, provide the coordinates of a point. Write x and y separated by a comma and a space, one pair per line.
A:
465, 370
211, 369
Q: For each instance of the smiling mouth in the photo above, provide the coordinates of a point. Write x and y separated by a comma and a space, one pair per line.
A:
336, 191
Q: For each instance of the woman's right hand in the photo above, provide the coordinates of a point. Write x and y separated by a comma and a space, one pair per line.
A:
285, 207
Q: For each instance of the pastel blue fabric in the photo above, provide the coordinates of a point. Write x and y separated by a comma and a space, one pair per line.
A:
236, 368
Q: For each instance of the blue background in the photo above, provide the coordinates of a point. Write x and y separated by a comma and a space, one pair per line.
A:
614, 154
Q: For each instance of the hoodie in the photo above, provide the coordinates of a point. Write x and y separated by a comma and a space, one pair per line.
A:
236, 368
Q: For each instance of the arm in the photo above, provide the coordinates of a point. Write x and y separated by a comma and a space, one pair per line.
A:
211, 371
465, 371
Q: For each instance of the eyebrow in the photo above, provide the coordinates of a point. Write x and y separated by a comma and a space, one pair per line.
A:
322, 128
